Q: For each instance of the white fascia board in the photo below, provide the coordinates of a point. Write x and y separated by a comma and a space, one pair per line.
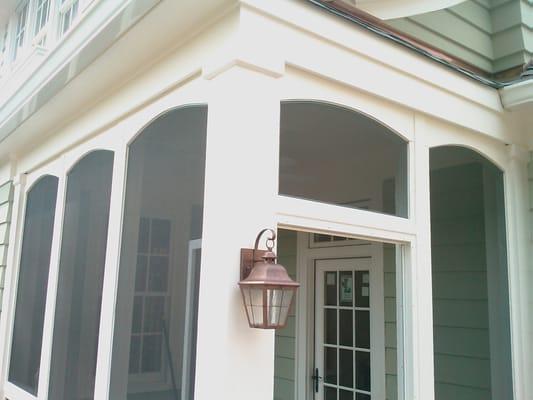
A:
102, 26
517, 94
389, 9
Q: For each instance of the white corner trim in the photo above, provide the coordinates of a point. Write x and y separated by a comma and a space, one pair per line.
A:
517, 94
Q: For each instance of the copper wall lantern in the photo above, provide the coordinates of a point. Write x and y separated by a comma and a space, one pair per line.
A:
267, 290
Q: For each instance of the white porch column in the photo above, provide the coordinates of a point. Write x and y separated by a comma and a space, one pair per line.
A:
519, 267
234, 361
418, 281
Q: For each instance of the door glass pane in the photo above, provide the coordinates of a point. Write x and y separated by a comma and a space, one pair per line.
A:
362, 329
345, 395
330, 289
362, 289
160, 261
330, 326
330, 393
346, 288
346, 327
81, 272
340, 156
330, 365
346, 368
32, 284
363, 396
362, 370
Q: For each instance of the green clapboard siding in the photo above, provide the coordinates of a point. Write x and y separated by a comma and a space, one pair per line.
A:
530, 174
460, 297
284, 361
492, 35
6, 202
389, 287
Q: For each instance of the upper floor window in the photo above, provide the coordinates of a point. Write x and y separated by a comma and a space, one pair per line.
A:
67, 13
22, 18
42, 13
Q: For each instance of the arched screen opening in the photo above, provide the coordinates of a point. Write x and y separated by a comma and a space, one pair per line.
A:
471, 317
338, 156
81, 277
24, 366
154, 346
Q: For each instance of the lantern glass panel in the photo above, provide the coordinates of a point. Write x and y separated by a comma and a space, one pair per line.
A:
256, 306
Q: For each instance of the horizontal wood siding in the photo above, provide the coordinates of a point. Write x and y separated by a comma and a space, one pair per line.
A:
284, 361
389, 287
464, 31
460, 298
493, 35
530, 175
6, 202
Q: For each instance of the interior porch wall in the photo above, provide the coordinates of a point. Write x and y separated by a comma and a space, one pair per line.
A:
530, 176
284, 362
460, 303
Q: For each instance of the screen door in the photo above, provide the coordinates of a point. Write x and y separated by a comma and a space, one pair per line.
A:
343, 336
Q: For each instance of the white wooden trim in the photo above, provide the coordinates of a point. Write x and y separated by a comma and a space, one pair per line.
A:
12, 391
194, 245
111, 276
298, 214
51, 293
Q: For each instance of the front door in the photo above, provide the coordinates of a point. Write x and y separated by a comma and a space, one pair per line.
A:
343, 329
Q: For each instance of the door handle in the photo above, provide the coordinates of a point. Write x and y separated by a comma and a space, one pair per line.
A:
316, 379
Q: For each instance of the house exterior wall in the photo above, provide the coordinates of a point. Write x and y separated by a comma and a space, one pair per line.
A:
494, 36
202, 68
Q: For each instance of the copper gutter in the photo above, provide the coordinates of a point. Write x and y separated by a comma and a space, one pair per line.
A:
379, 27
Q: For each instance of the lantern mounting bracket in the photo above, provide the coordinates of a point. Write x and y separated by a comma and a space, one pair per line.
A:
250, 256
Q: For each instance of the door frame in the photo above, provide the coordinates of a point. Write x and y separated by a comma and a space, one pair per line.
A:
305, 307
377, 317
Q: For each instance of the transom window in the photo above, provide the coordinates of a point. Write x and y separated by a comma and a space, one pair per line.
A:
338, 156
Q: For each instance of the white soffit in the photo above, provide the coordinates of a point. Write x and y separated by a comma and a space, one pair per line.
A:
389, 9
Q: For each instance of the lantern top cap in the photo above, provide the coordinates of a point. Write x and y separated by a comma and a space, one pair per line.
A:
267, 272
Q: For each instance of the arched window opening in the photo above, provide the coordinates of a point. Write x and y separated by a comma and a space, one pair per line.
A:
154, 346
338, 156
472, 340
26, 345
80, 280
